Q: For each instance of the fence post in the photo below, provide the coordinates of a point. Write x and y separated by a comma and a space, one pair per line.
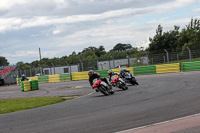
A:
128, 60
24, 71
189, 53
113, 61
54, 71
81, 64
40, 69
68, 66
147, 58
167, 55
97, 63
30, 72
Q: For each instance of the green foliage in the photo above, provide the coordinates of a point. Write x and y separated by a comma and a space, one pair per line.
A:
175, 40
88, 55
3, 61
122, 47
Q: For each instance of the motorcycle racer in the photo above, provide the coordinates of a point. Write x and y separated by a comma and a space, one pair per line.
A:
123, 72
111, 74
93, 75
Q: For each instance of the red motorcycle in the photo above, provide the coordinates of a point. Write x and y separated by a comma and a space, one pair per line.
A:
119, 83
103, 87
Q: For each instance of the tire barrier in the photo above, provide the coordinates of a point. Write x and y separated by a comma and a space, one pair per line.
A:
140, 70
26, 85
29, 85
80, 75
33, 78
168, 68
54, 78
128, 68
191, 66
43, 79
18, 81
144, 70
65, 77
22, 86
103, 73
34, 85
116, 70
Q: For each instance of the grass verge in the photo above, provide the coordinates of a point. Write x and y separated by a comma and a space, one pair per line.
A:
13, 105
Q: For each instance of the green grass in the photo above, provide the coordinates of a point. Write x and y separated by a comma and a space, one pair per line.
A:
13, 105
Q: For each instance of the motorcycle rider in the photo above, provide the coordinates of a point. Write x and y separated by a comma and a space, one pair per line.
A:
24, 78
123, 72
110, 74
93, 75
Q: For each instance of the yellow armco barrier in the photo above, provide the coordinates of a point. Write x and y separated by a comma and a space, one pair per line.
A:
80, 75
27, 85
54, 78
168, 68
33, 78
118, 70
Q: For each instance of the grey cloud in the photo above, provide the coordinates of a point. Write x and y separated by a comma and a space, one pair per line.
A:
50, 7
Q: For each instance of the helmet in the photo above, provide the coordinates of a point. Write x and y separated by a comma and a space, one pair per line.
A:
109, 72
90, 72
23, 75
121, 69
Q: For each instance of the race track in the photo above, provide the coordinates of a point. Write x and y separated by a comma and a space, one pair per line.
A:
158, 98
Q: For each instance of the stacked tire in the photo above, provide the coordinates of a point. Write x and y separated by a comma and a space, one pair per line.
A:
34, 85
26, 85
29, 85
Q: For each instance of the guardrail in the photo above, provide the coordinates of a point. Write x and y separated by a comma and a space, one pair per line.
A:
140, 70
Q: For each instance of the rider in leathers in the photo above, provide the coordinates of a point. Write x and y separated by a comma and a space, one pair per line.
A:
93, 75
123, 72
110, 74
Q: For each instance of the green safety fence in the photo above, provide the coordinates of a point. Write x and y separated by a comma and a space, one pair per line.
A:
65, 77
43, 79
191, 66
144, 70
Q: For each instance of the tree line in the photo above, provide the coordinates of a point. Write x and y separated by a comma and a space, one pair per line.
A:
173, 41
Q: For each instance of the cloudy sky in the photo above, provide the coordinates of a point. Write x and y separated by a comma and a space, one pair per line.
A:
60, 27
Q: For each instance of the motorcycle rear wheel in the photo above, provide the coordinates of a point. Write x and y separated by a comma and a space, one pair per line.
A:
103, 90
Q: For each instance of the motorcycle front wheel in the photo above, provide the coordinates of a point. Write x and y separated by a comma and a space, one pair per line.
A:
133, 81
123, 86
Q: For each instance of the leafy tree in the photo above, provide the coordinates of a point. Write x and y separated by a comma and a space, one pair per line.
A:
190, 36
121, 47
3, 61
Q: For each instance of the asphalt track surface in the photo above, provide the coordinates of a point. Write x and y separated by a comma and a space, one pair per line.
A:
158, 98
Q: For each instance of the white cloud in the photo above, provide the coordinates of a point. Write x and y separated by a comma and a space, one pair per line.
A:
196, 10
72, 25
8, 4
